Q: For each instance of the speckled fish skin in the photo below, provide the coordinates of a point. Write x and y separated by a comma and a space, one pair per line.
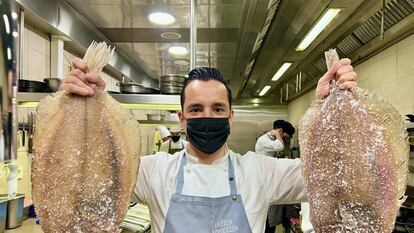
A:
354, 151
86, 162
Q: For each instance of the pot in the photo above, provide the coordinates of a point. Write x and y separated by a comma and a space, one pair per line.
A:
131, 88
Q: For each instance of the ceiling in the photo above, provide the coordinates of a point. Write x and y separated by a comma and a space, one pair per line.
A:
248, 40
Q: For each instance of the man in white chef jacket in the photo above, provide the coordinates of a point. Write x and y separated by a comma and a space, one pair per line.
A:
207, 187
175, 143
268, 144
273, 141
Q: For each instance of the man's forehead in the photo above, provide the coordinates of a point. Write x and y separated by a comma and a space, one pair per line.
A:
211, 90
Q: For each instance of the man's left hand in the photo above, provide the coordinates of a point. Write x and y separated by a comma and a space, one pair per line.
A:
344, 74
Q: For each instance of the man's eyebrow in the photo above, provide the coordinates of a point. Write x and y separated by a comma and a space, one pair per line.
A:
194, 105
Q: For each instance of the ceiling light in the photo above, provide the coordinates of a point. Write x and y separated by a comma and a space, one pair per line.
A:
181, 62
317, 28
264, 90
161, 18
14, 15
6, 23
281, 71
170, 35
177, 50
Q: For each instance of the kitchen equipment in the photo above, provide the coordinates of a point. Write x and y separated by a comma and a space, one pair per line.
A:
131, 88
12, 180
53, 83
171, 84
9, 51
30, 131
155, 117
32, 86
14, 210
149, 90
3, 213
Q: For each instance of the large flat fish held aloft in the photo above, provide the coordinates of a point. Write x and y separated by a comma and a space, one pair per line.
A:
86, 158
355, 161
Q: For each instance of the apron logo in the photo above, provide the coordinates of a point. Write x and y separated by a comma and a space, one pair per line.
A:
225, 225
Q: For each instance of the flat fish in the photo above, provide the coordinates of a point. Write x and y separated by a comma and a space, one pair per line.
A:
354, 152
86, 159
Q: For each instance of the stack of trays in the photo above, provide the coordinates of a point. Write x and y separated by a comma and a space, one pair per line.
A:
171, 84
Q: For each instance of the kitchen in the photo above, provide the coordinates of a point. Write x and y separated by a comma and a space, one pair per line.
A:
258, 45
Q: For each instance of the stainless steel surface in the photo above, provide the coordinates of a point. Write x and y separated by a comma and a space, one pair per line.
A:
122, 98
53, 83
131, 88
172, 78
193, 34
59, 18
9, 64
155, 117
14, 210
218, 24
247, 40
3, 214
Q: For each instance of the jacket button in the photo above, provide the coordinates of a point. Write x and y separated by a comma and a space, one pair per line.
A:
234, 198
231, 178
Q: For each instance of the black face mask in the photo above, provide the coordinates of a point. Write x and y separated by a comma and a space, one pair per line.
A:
208, 134
175, 138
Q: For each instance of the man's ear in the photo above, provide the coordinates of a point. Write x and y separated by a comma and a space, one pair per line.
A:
231, 118
182, 121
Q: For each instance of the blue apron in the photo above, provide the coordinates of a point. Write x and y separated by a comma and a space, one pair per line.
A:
190, 214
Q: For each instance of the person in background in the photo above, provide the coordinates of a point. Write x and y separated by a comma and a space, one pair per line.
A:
165, 133
274, 140
175, 143
268, 144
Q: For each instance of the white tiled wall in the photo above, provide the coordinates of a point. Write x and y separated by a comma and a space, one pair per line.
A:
389, 74
36, 59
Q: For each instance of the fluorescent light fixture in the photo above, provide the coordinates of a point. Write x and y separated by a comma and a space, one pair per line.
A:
318, 28
281, 71
264, 90
9, 53
177, 50
6, 23
161, 18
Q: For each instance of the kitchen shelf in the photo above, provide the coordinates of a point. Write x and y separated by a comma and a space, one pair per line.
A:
158, 123
128, 101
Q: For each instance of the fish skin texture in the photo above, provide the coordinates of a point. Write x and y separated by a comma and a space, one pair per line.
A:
354, 153
86, 159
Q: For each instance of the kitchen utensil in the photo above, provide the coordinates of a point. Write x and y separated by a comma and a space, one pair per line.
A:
155, 117
32, 86
131, 88
53, 83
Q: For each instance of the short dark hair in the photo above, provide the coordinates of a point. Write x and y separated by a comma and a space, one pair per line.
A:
286, 126
204, 74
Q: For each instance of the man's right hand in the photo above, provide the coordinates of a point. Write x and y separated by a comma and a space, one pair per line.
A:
277, 133
81, 81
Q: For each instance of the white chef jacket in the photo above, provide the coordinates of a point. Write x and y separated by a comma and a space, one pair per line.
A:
180, 144
261, 181
266, 145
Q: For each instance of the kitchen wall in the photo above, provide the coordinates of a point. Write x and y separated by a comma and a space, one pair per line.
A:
389, 74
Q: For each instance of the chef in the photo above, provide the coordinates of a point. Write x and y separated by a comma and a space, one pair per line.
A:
207, 187
165, 133
175, 143
273, 141
268, 144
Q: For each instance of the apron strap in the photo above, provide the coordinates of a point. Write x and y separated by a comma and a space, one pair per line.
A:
180, 178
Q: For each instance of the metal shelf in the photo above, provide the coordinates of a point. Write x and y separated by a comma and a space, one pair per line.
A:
128, 101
